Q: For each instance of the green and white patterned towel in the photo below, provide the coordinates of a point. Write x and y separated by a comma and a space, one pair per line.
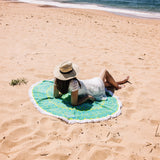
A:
42, 97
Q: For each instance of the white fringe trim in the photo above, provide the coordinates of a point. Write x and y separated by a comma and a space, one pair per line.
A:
117, 113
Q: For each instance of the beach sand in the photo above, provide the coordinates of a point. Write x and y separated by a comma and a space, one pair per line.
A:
34, 39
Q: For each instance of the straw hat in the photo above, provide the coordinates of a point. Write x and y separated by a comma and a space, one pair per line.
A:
65, 71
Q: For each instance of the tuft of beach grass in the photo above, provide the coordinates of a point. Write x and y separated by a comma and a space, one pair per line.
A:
18, 81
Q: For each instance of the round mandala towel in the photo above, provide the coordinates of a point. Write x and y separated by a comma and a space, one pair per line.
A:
42, 97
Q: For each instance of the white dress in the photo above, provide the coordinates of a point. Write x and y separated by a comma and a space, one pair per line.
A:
94, 87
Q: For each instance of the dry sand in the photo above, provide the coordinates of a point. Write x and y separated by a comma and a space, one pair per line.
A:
33, 39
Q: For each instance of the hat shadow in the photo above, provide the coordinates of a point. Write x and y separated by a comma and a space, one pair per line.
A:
83, 107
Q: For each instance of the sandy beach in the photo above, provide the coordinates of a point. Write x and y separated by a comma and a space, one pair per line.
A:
34, 39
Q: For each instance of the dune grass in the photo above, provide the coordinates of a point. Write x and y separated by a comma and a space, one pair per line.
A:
18, 81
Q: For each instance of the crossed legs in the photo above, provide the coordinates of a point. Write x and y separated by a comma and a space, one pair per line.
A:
109, 80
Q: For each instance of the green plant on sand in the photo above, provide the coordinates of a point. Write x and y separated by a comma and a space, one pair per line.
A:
18, 81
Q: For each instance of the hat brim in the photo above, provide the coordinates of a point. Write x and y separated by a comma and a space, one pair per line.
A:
66, 76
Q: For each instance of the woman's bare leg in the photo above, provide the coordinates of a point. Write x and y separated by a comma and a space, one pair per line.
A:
109, 80
123, 81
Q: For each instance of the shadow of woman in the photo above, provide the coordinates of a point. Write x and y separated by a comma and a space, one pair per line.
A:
83, 107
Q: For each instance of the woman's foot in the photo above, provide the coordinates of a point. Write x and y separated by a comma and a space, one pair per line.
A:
120, 87
119, 84
123, 81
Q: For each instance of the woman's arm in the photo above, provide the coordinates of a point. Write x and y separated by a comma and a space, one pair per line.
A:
77, 101
56, 92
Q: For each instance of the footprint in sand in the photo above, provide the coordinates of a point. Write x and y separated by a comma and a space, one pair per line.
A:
3, 156
119, 149
39, 146
99, 153
115, 137
130, 112
82, 149
7, 125
7, 145
19, 133
60, 156
14, 139
155, 122
136, 157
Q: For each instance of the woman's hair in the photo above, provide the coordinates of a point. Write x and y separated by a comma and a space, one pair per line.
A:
63, 85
